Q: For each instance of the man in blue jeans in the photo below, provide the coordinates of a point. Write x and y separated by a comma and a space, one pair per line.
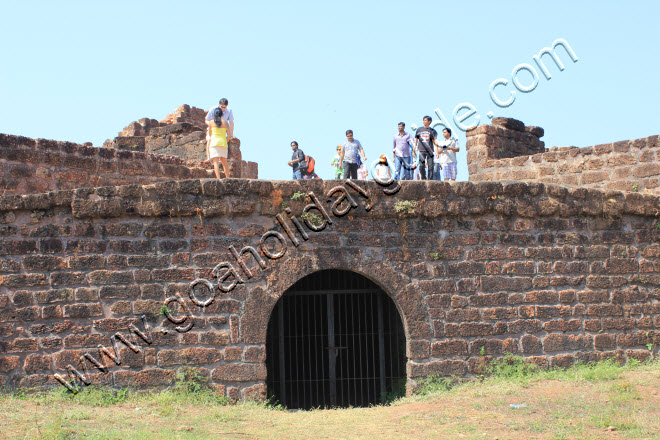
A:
297, 157
401, 153
425, 140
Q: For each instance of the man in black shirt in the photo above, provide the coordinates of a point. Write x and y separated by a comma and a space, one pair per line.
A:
297, 157
425, 138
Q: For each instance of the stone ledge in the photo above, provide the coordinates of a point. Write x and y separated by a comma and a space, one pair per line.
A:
212, 197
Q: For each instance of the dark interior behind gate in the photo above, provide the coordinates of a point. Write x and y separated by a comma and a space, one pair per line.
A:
335, 339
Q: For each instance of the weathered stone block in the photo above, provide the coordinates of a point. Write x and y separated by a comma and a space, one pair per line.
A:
82, 310
152, 377
452, 347
239, 372
446, 368
559, 342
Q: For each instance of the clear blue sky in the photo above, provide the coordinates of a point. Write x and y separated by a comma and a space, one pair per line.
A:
307, 71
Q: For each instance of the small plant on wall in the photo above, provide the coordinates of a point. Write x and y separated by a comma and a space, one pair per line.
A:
298, 195
314, 219
406, 206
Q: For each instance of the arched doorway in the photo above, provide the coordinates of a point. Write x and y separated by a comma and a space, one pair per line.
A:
335, 339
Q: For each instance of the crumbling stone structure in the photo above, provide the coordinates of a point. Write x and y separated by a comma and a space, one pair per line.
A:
181, 134
509, 150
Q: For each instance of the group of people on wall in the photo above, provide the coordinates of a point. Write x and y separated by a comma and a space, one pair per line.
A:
420, 156
436, 158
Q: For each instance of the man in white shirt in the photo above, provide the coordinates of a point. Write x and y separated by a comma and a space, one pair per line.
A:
227, 115
445, 156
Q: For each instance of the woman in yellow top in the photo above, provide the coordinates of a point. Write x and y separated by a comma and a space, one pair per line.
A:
216, 146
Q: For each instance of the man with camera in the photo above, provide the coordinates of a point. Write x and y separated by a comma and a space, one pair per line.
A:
445, 153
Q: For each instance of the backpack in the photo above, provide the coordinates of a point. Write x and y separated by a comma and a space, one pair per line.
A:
307, 165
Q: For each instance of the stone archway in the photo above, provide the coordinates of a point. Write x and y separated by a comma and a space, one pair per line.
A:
407, 298
335, 339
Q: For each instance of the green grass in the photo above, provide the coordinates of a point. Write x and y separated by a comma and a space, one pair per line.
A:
581, 402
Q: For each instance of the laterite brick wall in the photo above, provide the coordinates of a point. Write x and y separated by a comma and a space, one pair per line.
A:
29, 166
507, 150
477, 270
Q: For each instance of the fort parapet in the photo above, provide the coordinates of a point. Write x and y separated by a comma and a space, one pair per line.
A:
507, 150
41, 165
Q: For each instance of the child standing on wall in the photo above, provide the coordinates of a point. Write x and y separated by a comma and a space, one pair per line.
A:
336, 163
216, 146
383, 172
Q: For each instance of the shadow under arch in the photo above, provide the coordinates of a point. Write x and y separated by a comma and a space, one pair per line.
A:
335, 339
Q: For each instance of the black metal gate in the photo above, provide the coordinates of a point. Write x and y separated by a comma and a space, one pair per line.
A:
335, 339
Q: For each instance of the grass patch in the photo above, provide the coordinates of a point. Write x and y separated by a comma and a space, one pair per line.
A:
512, 367
92, 395
597, 401
434, 385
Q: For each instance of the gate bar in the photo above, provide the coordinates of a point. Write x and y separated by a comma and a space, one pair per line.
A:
332, 354
280, 312
381, 349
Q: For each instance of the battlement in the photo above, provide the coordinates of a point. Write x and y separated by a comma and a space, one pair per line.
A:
507, 150
41, 165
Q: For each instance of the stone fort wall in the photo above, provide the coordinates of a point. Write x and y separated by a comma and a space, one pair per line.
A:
507, 150
39, 165
476, 270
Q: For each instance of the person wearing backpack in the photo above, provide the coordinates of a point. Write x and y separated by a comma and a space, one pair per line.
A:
350, 156
306, 168
309, 173
297, 157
